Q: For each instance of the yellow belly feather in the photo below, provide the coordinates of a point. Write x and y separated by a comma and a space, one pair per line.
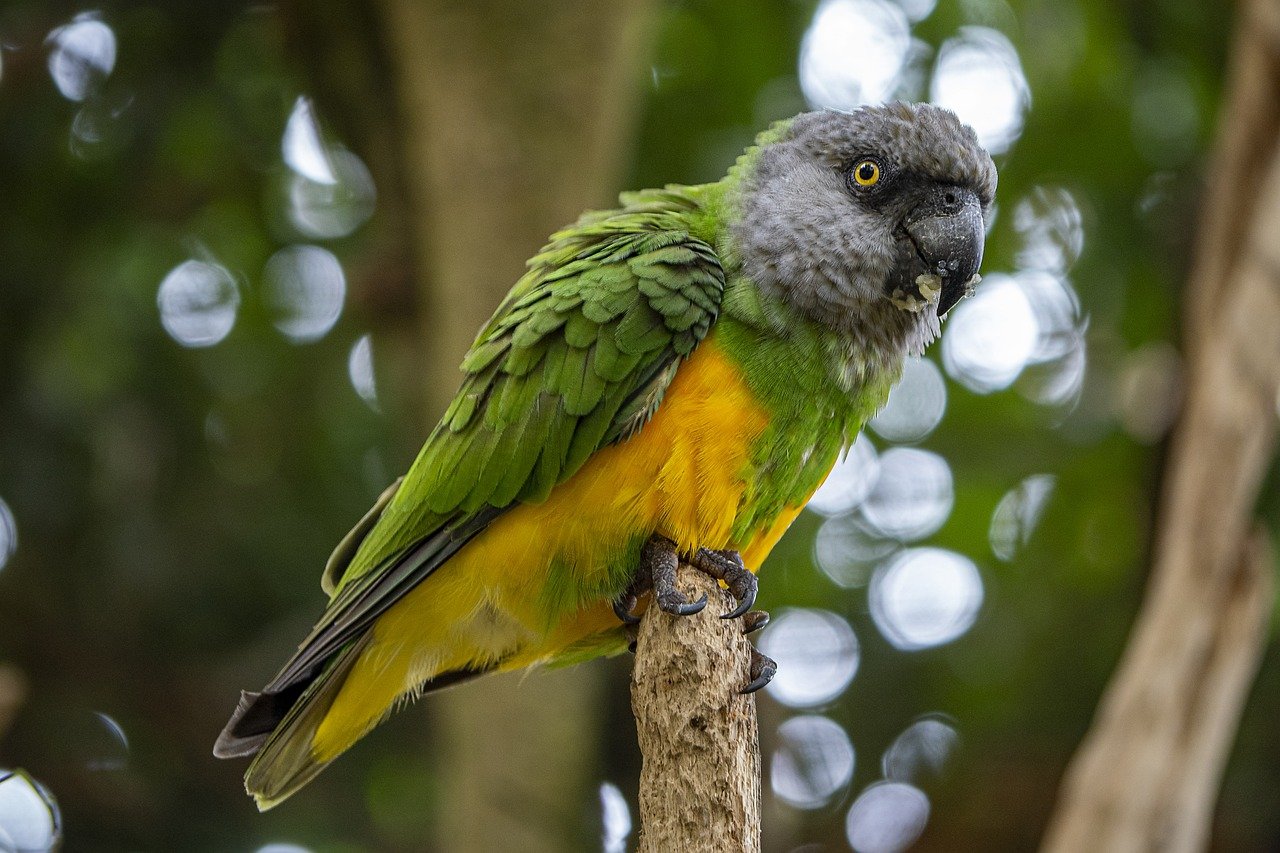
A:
682, 475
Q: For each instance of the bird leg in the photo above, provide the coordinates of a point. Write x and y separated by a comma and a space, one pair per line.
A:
657, 572
727, 566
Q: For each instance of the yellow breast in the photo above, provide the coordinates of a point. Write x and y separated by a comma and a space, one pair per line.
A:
682, 475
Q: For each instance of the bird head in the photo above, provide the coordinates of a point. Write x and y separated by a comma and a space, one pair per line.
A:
871, 222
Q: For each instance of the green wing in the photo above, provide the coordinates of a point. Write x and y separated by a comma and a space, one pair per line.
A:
577, 357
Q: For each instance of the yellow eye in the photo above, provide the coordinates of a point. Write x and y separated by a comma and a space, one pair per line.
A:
866, 173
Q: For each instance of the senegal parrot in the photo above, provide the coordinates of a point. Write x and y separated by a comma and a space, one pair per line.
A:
670, 379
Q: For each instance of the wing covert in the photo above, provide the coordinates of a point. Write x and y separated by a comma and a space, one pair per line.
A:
577, 357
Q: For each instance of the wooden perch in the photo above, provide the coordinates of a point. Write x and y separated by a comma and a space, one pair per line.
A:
1147, 774
700, 782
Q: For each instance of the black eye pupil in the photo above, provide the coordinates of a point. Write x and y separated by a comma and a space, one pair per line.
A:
866, 171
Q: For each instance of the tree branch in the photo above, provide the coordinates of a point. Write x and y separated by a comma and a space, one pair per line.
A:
1147, 774
700, 782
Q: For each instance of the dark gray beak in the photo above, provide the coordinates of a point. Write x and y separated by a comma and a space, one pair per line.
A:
948, 233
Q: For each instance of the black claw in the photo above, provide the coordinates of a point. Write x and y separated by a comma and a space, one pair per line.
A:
754, 620
727, 566
677, 606
763, 669
631, 646
744, 604
622, 608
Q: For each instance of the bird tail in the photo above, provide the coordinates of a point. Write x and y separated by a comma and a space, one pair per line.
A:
278, 729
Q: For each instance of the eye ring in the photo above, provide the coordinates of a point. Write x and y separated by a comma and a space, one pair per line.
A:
866, 174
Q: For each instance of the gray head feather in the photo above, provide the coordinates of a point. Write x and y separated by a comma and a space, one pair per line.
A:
805, 237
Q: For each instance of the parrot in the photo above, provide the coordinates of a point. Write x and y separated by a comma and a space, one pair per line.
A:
669, 380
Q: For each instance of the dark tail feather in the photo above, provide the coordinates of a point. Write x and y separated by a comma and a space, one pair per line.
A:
279, 727
284, 760
255, 718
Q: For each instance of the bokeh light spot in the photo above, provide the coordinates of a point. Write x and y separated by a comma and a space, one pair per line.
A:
849, 482
1051, 226
979, 77
8, 533
114, 753
99, 128
846, 550
301, 146
990, 336
922, 750
305, 289
925, 597
82, 54
283, 848
912, 496
1056, 309
198, 302
325, 210
360, 371
813, 761
887, 817
1148, 391
616, 818
915, 404
1054, 374
853, 53
917, 10
1018, 513
817, 654
29, 818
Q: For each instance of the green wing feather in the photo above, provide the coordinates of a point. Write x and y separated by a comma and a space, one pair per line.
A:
576, 357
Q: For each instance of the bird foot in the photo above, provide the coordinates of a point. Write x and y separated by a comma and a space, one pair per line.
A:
763, 669
754, 620
657, 573
727, 566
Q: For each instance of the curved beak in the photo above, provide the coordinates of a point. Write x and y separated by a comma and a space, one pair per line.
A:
948, 233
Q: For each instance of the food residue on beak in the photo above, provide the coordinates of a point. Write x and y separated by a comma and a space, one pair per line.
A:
928, 289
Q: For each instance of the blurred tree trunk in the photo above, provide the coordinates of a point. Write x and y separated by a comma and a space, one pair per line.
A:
514, 117
1146, 776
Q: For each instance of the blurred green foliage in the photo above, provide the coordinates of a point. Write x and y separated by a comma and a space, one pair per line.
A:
174, 505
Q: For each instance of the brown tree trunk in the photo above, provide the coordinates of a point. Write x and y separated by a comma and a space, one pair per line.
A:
515, 117
1147, 774
700, 782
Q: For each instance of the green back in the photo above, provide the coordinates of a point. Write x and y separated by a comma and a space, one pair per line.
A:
577, 357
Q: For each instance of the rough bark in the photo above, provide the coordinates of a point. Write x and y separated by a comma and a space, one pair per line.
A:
1147, 774
700, 782
514, 118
